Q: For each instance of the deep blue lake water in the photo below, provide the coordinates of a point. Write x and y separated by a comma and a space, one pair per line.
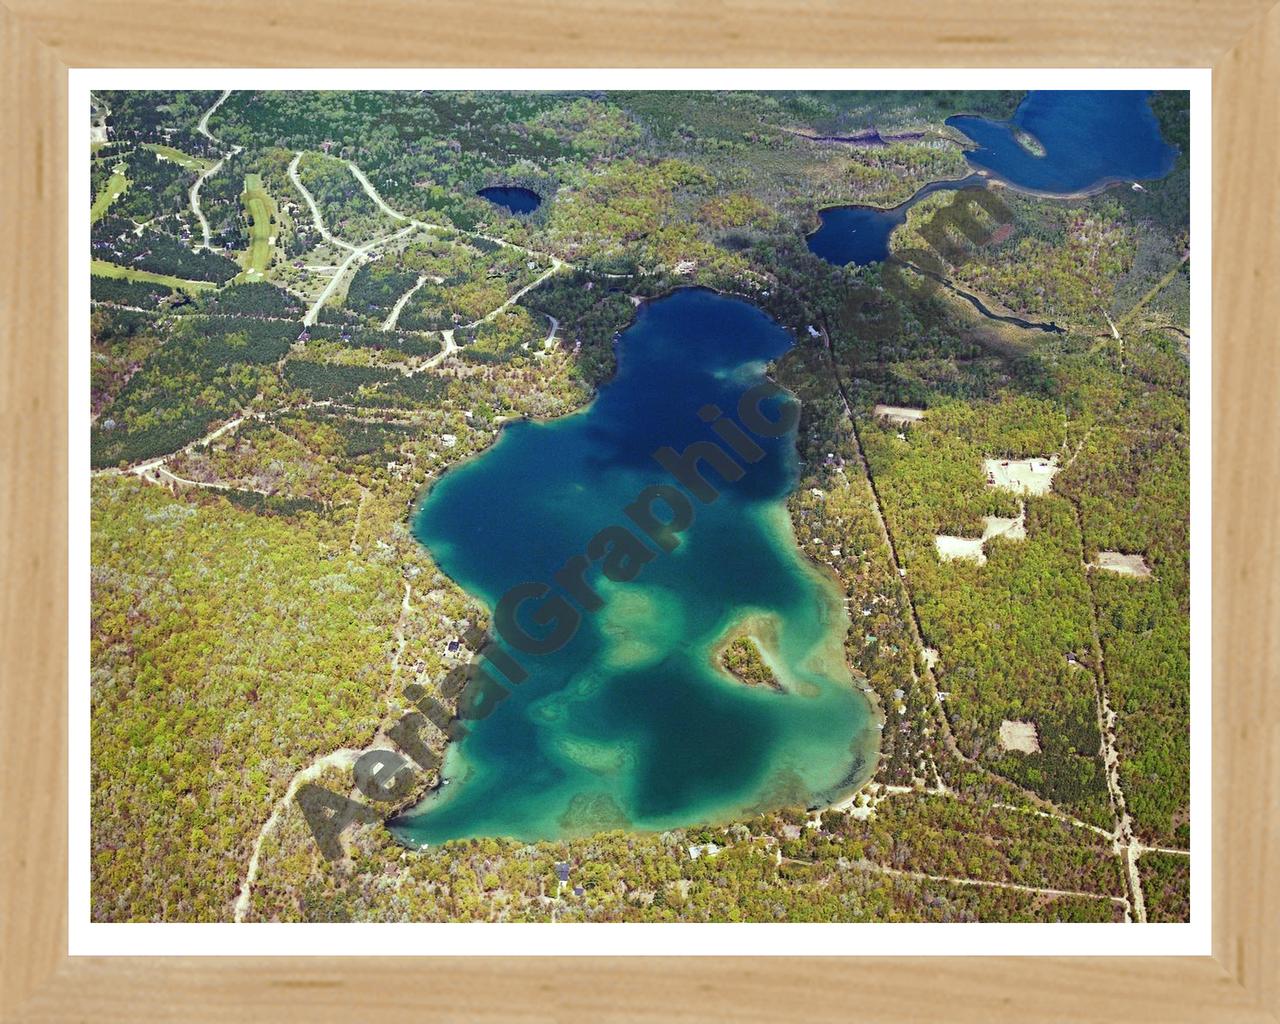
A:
516, 200
1090, 139
631, 724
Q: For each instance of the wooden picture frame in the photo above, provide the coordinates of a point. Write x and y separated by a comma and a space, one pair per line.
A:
42, 39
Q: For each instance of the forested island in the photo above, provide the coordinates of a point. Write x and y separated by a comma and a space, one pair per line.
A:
305, 313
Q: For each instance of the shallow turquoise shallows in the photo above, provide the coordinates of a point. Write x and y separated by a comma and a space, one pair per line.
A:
631, 724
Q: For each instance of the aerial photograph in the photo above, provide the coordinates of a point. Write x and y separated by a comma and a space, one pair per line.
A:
639, 506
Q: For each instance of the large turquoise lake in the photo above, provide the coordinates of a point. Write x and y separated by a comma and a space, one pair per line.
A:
631, 724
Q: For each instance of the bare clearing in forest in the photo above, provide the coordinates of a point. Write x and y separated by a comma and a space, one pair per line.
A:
1022, 476
1125, 565
1019, 736
1010, 529
898, 415
952, 548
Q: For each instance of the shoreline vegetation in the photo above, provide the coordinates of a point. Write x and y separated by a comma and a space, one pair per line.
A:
740, 653
934, 184
1029, 142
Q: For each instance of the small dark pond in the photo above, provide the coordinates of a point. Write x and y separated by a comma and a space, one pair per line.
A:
512, 198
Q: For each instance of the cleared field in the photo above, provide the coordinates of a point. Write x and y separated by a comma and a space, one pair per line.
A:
260, 210
898, 415
104, 269
193, 163
116, 184
1022, 476
1125, 565
1010, 529
952, 548
1021, 736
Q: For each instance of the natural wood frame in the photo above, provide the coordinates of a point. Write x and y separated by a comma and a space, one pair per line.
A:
40, 39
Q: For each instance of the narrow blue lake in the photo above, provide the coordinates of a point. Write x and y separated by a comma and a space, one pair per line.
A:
860, 234
631, 724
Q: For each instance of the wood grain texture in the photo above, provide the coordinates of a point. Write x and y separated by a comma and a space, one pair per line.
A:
1246, 435
33, 512
645, 33
649, 991
40, 38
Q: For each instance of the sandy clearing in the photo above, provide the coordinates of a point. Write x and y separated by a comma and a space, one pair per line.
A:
862, 804
898, 415
1124, 565
1019, 736
952, 548
1010, 529
1022, 476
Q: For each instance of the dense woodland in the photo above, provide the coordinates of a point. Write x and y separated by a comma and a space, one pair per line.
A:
259, 602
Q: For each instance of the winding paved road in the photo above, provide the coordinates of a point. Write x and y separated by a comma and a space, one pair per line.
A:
394, 315
356, 252
194, 193
373, 193
316, 219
